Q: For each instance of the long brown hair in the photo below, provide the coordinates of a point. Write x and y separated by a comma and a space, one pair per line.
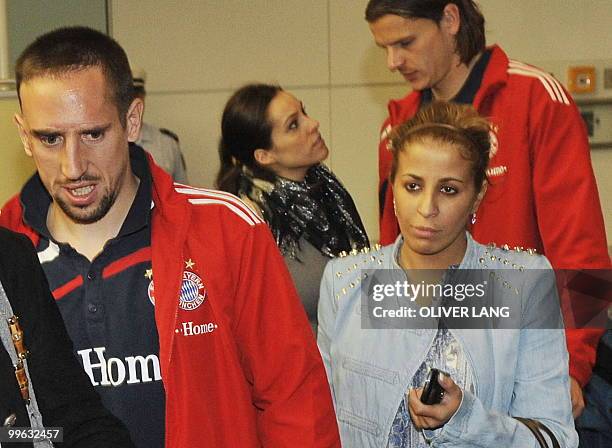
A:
244, 128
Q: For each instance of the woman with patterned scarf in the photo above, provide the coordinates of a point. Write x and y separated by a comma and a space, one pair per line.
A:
271, 153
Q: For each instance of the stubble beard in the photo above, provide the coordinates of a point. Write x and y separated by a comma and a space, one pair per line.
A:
95, 215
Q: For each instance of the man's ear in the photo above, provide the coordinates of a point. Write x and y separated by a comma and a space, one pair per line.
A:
264, 157
134, 119
23, 135
451, 19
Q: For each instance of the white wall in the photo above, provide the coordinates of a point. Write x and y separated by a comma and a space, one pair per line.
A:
196, 53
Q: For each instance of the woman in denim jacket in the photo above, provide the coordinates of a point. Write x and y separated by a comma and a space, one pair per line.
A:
512, 366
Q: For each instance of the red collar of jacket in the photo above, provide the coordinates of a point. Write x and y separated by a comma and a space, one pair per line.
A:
495, 77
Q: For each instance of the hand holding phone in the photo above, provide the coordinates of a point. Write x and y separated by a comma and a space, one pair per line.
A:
432, 391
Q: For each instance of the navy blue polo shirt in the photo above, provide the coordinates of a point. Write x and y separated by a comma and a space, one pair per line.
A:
106, 308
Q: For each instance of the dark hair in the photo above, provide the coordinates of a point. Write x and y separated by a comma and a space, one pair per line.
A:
77, 48
456, 124
244, 128
471, 37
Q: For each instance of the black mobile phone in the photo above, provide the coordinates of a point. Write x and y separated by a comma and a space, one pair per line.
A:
432, 391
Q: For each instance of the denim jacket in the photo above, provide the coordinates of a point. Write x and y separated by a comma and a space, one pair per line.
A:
520, 372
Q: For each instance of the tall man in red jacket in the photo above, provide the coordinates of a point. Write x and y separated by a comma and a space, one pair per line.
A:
156, 281
540, 155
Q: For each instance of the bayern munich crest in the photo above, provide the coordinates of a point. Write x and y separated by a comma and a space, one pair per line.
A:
151, 292
193, 291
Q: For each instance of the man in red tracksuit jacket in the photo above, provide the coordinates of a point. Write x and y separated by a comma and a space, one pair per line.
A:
156, 281
542, 192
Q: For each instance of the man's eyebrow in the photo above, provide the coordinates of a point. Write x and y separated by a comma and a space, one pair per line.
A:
100, 128
397, 41
43, 132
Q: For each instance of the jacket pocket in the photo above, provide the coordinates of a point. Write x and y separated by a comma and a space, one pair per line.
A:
363, 424
369, 370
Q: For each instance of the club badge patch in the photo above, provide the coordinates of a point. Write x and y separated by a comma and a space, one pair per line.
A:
193, 291
151, 292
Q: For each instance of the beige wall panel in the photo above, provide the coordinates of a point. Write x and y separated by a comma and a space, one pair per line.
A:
357, 113
16, 166
196, 118
193, 45
354, 56
550, 29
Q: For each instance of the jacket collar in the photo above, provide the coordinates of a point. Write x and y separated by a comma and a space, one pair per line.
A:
494, 78
469, 260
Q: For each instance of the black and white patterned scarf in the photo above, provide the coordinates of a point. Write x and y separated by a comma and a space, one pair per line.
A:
319, 209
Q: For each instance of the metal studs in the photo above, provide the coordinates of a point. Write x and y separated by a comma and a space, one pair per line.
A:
342, 254
481, 260
505, 247
353, 252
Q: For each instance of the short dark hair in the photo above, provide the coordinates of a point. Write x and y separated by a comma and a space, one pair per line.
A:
471, 37
245, 127
456, 124
71, 49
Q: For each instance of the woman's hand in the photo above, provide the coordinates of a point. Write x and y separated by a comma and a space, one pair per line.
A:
433, 416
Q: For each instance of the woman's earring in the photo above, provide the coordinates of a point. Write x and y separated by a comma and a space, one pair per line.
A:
473, 218
394, 207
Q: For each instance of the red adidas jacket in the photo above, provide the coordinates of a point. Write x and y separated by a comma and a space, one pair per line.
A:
542, 192
250, 375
